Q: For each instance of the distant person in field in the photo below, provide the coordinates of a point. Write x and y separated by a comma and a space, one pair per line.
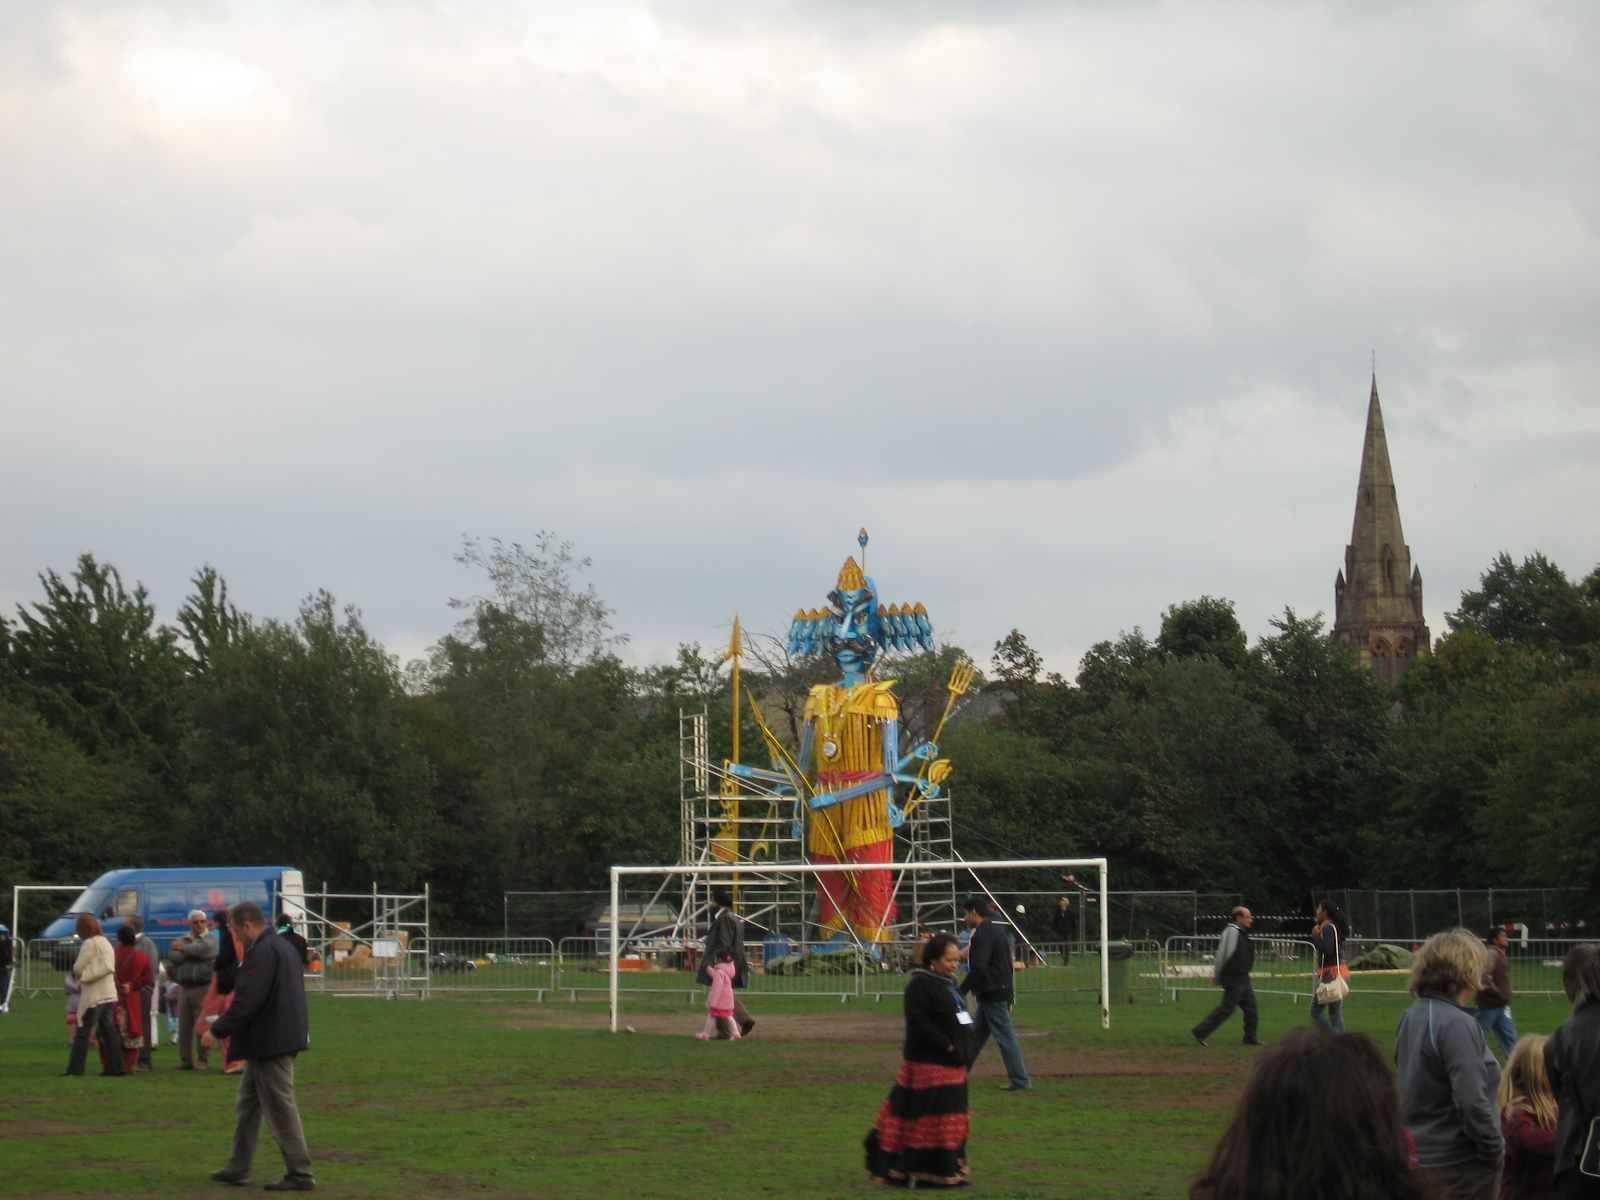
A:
1572, 1061
230, 952
920, 1136
74, 991
1064, 923
1230, 970
991, 979
7, 957
286, 931
148, 948
1449, 1082
192, 964
1328, 936
132, 1014
268, 1026
96, 970
720, 1023
1528, 1122
726, 936
1494, 997
1317, 1121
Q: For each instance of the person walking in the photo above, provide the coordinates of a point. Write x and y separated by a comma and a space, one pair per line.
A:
1572, 1061
1064, 923
1448, 1078
1528, 1123
991, 979
96, 969
1494, 997
726, 936
148, 998
920, 1136
1230, 970
192, 960
1318, 1119
1328, 936
268, 1025
720, 1023
7, 960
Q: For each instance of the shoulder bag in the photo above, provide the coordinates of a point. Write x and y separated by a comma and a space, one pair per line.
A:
1331, 991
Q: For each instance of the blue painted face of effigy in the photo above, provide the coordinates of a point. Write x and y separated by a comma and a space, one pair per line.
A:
849, 636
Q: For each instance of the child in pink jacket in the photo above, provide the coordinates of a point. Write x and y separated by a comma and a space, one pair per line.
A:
719, 1004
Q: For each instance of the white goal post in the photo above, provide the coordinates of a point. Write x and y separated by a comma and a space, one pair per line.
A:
734, 870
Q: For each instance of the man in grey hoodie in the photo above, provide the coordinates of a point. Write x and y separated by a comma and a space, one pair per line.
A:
1448, 1077
1230, 971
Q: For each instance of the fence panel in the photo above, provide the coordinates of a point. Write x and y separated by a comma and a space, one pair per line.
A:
491, 965
1283, 966
656, 965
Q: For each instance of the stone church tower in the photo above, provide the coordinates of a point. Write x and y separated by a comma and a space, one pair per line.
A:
1377, 599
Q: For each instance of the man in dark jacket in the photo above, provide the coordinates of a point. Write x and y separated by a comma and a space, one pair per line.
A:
286, 931
1572, 1060
1231, 972
1494, 999
1064, 923
726, 936
989, 977
268, 1024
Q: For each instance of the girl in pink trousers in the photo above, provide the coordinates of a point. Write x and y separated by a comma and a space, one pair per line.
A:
719, 1004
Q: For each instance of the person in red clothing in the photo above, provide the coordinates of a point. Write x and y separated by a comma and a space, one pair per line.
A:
1528, 1117
134, 974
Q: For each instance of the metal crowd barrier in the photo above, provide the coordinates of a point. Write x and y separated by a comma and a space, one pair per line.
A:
1283, 966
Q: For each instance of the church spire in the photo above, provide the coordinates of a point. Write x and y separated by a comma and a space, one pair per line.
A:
1378, 595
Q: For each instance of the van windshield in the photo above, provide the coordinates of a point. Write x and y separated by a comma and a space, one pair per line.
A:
90, 901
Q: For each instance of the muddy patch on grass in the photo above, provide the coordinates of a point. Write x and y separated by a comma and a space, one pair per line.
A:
33, 1129
849, 1025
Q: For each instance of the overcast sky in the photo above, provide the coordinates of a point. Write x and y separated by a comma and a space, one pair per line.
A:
1071, 304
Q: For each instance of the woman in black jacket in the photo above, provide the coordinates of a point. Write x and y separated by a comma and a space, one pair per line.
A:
921, 1131
1572, 1061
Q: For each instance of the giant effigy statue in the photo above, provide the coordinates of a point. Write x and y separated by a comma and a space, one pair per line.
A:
849, 765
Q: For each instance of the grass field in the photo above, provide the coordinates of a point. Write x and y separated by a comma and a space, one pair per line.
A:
496, 1096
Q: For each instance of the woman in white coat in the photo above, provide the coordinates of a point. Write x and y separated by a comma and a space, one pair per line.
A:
96, 968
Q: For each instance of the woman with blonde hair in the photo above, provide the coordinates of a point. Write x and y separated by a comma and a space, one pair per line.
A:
1528, 1120
1448, 1078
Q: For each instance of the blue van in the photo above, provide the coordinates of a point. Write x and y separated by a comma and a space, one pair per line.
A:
164, 897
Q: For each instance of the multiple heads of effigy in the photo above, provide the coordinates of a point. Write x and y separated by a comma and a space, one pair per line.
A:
857, 627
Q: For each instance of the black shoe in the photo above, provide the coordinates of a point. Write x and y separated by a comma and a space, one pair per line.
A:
112, 1074
1198, 1038
236, 1178
744, 1030
291, 1183
1253, 1042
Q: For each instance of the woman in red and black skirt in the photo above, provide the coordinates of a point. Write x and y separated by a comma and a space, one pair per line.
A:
921, 1132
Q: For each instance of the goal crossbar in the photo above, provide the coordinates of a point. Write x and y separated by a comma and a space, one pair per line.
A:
999, 864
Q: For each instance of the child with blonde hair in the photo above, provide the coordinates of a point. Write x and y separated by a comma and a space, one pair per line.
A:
719, 1004
1528, 1118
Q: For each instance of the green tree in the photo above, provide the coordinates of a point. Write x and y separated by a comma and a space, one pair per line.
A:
1533, 605
1204, 628
300, 755
92, 662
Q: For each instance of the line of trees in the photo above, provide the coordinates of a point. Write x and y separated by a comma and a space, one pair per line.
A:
522, 753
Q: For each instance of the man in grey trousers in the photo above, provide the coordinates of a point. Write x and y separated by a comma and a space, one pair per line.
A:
190, 964
268, 1024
